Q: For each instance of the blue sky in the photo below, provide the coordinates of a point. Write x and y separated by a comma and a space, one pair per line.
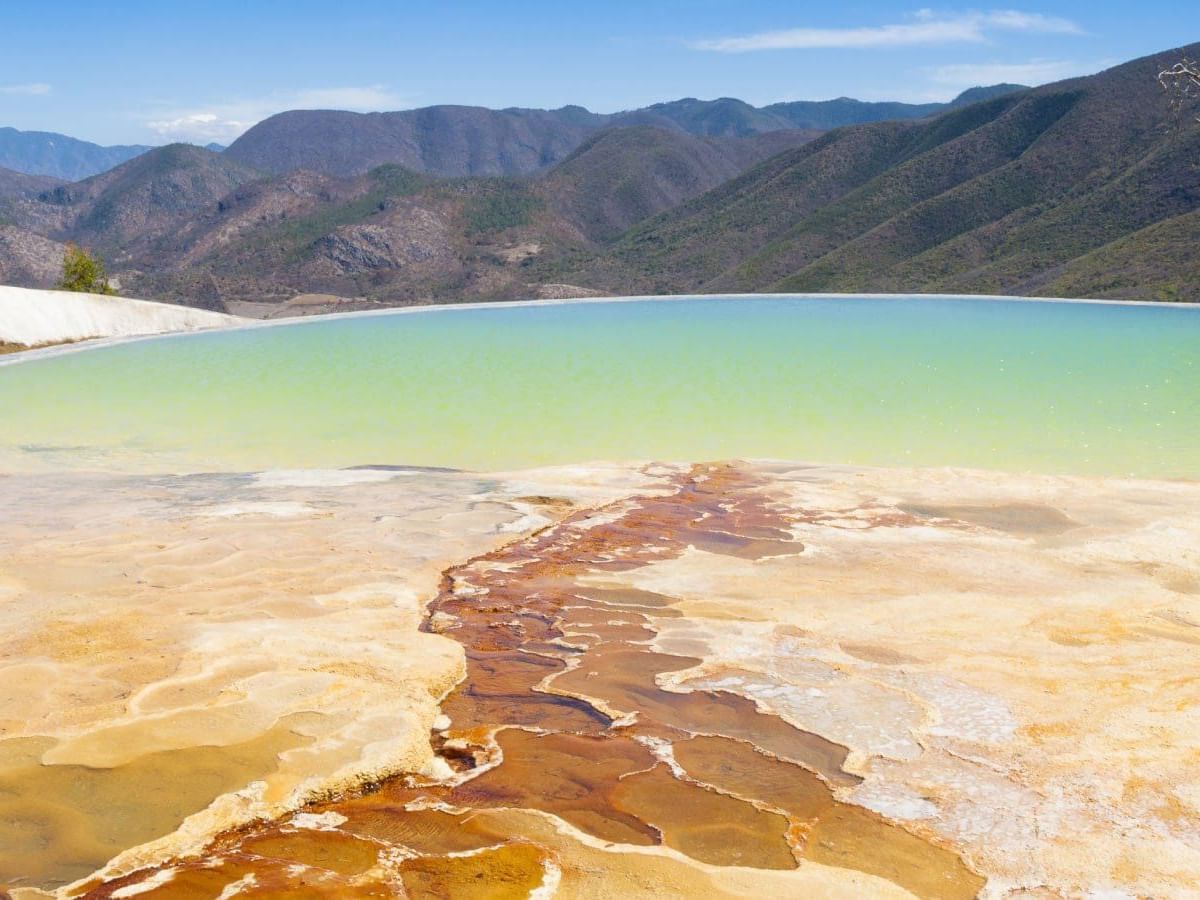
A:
152, 72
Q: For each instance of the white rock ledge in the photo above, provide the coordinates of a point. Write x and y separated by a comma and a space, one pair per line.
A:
34, 317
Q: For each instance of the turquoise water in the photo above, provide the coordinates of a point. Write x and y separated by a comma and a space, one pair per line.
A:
1030, 386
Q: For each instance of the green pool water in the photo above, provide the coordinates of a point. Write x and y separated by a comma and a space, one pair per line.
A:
1029, 386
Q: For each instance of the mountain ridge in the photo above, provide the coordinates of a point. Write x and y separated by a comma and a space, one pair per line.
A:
457, 141
59, 155
993, 197
21, 184
1041, 191
559, 131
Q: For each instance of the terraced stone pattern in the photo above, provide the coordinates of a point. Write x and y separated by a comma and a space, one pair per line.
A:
722, 680
561, 713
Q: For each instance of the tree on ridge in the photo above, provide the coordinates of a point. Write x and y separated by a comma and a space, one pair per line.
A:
83, 273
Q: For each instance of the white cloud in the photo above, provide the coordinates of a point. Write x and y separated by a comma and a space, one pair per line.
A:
223, 122
926, 28
199, 126
1034, 72
1013, 20
37, 89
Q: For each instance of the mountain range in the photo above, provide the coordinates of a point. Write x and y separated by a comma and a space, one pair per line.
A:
1067, 189
59, 156
453, 141
456, 140
1086, 187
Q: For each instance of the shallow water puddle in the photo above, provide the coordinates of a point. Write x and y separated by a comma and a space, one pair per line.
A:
562, 714
59, 823
1023, 519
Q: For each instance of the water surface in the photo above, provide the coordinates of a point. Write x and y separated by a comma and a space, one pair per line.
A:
1031, 386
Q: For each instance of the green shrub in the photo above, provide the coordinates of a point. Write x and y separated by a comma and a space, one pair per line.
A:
83, 273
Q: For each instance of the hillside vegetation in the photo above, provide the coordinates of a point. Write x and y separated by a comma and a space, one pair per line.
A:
1086, 187
18, 184
1030, 193
456, 141
187, 224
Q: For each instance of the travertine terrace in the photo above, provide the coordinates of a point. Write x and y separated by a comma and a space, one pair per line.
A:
720, 679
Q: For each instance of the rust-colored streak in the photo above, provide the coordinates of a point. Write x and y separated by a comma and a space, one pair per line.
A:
572, 776
501, 873
708, 826
562, 682
829, 832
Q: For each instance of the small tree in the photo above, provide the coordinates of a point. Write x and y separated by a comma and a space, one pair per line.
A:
83, 273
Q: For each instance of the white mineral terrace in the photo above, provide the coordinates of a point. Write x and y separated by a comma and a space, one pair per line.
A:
1008, 660
33, 317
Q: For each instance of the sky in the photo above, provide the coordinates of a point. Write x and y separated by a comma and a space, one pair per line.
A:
155, 72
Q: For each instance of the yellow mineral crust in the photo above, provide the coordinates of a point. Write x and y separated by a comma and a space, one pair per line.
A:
250, 641
1010, 660
1005, 661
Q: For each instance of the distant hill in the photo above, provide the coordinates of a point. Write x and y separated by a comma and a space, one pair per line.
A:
456, 140
18, 184
399, 235
828, 114
976, 94
1057, 189
724, 117
621, 176
59, 156
440, 140
183, 222
140, 200
453, 141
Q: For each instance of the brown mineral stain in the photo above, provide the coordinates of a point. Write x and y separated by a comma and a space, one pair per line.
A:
832, 832
738, 768
626, 597
330, 850
625, 679
851, 837
420, 830
499, 689
705, 825
187, 883
511, 871
572, 776
555, 649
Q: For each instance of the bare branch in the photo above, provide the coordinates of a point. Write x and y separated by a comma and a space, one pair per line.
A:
1182, 84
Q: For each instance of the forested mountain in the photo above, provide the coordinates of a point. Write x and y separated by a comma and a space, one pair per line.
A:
1037, 192
1086, 187
455, 141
